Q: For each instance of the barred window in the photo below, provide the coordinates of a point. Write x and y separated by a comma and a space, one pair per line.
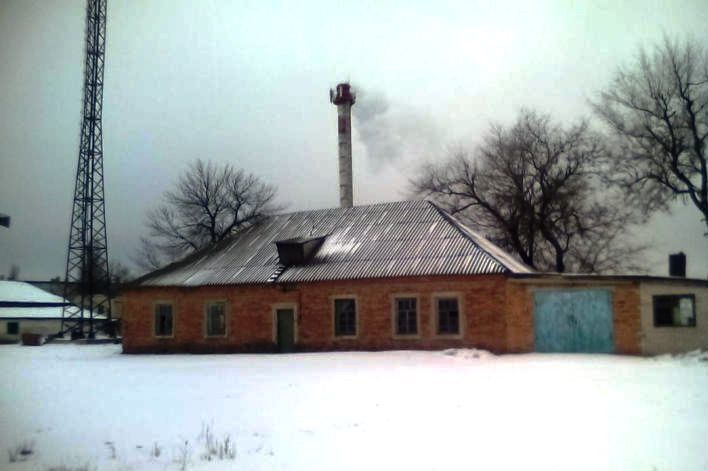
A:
448, 316
216, 319
406, 316
163, 320
344, 317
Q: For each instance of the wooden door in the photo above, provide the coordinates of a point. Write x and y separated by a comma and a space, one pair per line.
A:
286, 330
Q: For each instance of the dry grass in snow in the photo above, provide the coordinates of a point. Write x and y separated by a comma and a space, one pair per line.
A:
91, 408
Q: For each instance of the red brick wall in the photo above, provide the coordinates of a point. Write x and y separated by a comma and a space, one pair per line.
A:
250, 321
498, 315
627, 319
519, 318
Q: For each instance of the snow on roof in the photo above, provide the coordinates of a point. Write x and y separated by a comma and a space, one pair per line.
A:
21, 292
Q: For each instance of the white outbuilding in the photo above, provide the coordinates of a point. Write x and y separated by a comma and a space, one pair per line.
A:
27, 309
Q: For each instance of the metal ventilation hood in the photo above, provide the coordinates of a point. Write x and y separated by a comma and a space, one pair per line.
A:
299, 250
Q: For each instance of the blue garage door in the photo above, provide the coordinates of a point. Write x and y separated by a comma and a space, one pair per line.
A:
576, 321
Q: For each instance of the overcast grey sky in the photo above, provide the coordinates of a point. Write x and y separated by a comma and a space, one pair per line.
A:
247, 83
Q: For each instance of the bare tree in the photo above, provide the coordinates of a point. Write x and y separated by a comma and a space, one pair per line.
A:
658, 110
119, 273
14, 273
208, 203
532, 188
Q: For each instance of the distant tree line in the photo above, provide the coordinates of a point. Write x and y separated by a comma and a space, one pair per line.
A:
13, 274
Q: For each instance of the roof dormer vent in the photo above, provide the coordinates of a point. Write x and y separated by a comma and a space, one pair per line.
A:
299, 250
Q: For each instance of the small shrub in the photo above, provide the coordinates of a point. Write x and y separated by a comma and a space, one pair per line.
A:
112, 449
155, 451
184, 453
214, 448
227, 450
208, 436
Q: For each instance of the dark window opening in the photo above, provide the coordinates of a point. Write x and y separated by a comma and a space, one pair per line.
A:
216, 319
448, 316
344, 317
406, 316
163, 320
675, 310
13, 328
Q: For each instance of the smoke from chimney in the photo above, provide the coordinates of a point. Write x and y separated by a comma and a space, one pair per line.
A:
394, 131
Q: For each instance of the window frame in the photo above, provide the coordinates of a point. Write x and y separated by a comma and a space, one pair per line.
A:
17, 327
656, 297
461, 317
154, 318
394, 315
207, 304
334, 300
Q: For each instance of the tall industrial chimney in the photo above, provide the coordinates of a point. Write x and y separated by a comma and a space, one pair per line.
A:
344, 99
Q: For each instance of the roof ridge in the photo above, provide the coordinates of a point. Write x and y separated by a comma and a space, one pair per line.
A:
482, 243
355, 207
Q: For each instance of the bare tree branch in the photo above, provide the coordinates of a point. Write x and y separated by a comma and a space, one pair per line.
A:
658, 110
534, 189
207, 204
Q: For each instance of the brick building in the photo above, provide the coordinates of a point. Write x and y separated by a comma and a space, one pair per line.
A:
400, 275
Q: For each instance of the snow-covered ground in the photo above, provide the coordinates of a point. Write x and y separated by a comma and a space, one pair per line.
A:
90, 407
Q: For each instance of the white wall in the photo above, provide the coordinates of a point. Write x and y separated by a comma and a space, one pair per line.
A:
35, 326
657, 340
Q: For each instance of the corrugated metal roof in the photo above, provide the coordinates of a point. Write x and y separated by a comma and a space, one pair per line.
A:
408, 238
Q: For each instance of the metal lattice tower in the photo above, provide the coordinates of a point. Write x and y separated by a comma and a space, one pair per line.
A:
87, 282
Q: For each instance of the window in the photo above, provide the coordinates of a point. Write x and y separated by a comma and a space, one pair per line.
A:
216, 319
163, 320
448, 316
675, 310
344, 317
406, 311
13, 328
